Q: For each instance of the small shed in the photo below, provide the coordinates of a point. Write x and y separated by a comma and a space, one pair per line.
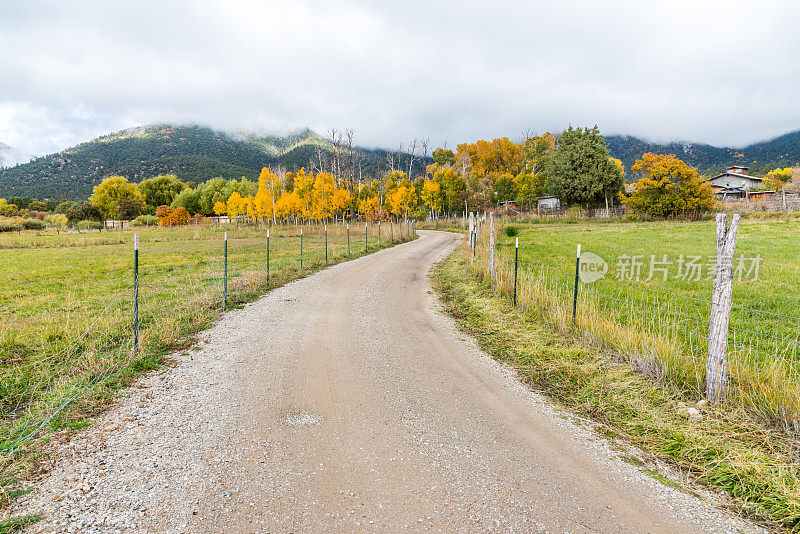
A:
549, 203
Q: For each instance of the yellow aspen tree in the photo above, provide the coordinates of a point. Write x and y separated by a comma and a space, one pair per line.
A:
432, 195
234, 205
322, 196
341, 200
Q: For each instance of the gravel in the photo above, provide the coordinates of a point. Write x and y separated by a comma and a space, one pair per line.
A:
346, 401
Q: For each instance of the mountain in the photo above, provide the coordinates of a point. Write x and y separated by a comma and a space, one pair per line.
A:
197, 154
783, 151
193, 153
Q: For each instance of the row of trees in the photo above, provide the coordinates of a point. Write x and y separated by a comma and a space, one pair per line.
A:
574, 166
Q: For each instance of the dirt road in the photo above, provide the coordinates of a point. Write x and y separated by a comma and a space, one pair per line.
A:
346, 402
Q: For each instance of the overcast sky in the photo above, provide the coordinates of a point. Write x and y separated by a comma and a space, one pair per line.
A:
722, 72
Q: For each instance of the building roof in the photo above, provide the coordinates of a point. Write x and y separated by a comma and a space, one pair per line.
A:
737, 175
730, 190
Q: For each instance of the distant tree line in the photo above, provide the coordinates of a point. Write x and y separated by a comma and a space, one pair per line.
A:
574, 166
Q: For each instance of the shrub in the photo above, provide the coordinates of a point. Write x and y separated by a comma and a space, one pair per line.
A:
9, 225
163, 213
89, 225
576, 212
179, 216
16, 224
145, 220
33, 224
512, 231
56, 219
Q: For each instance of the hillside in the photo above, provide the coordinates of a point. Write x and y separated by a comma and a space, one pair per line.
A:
197, 154
192, 153
761, 157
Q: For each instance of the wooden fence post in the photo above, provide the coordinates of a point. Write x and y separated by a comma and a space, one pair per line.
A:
491, 248
721, 300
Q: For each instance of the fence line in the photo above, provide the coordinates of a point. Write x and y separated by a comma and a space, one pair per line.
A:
163, 305
661, 334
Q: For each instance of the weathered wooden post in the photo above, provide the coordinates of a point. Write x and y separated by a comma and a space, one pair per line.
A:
471, 230
721, 300
475, 226
491, 248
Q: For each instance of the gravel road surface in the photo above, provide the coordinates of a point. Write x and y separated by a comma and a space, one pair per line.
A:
346, 402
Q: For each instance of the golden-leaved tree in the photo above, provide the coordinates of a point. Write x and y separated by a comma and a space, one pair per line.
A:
402, 200
111, 191
235, 205
777, 179
669, 188
431, 196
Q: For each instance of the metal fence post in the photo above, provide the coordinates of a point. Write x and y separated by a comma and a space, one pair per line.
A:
379, 234
348, 239
225, 302
301, 248
326, 244
136, 293
365, 237
575, 292
516, 264
267, 256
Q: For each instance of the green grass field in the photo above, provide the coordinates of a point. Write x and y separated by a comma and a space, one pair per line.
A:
66, 306
777, 289
660, 323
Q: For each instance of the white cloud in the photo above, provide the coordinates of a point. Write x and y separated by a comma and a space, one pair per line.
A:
720, 72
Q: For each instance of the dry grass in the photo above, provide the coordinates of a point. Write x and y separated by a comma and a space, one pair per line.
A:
66, 332
631, 395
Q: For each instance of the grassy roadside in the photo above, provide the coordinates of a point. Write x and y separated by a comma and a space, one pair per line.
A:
174, 323
759, 469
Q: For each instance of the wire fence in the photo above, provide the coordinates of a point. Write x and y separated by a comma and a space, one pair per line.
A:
174, 290
660, 333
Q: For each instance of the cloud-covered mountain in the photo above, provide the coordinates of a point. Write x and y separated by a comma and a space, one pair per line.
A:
197, 154
193, 153
783, 151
